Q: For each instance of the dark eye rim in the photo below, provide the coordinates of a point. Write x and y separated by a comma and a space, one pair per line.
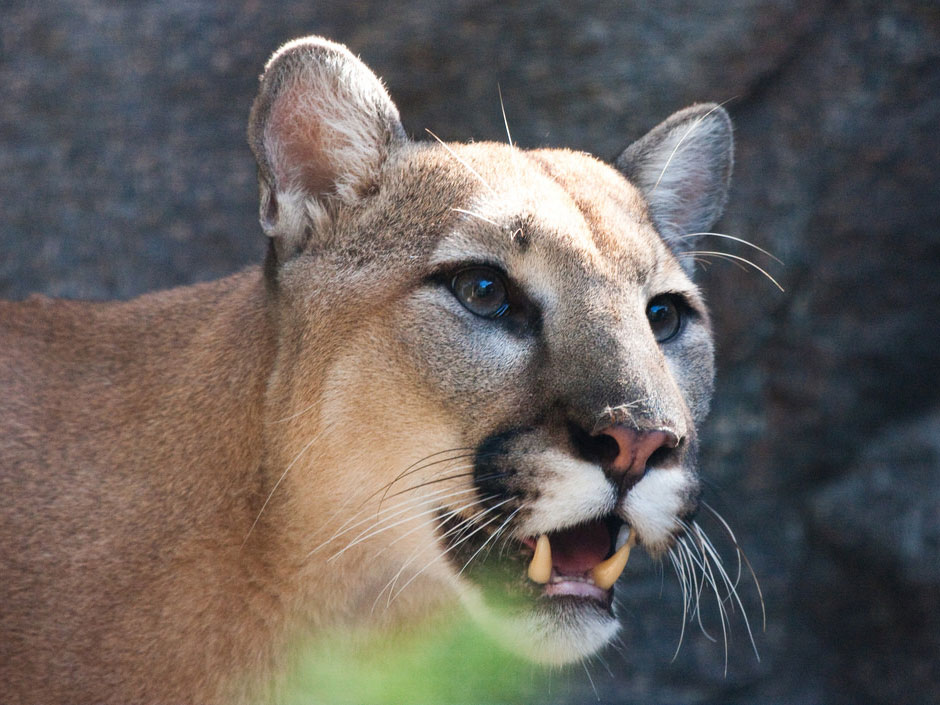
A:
522, 317
683, 312
451, 280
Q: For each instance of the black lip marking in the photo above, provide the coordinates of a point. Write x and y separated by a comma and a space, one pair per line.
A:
490, 459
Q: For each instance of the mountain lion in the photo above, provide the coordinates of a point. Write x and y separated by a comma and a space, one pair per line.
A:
463, 370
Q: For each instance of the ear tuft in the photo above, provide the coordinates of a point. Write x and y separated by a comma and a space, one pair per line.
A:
321, 128
683, 167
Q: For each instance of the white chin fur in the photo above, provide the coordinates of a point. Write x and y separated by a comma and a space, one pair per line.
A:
541, 636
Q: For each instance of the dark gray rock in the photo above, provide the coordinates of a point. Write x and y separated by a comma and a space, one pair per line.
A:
896, 481
123, 168
875, 575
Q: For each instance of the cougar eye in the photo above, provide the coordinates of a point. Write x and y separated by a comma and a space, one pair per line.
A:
663, 314
482, 291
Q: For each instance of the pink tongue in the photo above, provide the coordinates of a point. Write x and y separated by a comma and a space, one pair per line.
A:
575, 551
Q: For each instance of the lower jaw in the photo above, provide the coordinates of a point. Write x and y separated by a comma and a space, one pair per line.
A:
552, 630
578, 589
561, 600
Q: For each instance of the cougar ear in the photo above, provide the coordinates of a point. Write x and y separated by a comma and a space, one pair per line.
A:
683, 167
320, 129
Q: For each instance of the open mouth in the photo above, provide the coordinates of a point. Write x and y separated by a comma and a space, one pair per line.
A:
581, 561
576, 565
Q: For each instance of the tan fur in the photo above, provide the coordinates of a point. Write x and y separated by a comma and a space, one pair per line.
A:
188, 480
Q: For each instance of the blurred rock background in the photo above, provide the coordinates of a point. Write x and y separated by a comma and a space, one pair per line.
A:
124, 168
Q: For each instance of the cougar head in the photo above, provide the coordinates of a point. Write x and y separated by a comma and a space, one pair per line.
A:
493, 361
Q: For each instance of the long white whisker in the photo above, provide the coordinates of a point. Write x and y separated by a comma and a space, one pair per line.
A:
490, 538
369, 533
502, 108
414, 554
459, 527
430, 494
502, 535
723, 617
348, 525
475, 215
591, 681
697, 559
737, 239
741, 555
443, 517
707, 579
737, 549
298, 413
681, 563
461, 161
694, 558
604, 664
278, 483
736, 258
439, 476
714, 552
732, 592
715, 560
401, 507
418, 465
675, 150
454, 545
685, 599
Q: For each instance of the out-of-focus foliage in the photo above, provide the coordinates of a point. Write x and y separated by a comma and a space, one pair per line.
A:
447, 660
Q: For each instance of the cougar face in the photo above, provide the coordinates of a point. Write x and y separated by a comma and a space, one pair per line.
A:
571, 353
529, 352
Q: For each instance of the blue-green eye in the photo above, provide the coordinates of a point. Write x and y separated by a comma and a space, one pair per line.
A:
482, 291
664, 317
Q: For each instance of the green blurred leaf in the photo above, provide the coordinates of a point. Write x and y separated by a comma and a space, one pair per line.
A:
442, 661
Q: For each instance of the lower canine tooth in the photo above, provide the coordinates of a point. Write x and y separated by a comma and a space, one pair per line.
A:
540, 569
605, 573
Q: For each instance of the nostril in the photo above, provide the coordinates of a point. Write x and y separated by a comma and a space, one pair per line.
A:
661, 456
601, 449
639, 449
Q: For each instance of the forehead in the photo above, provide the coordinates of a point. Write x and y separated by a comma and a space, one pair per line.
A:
555, 207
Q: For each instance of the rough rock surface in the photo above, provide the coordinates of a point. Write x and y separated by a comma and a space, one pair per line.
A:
123, 168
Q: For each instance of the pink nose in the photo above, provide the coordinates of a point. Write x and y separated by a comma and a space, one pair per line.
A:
635, 448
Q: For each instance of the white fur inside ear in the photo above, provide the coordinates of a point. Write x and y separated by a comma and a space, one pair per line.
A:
325, 134
296, 211
683, 167
323, 123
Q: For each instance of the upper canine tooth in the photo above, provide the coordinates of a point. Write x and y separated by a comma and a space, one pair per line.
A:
625, 534
605, 573
540, 568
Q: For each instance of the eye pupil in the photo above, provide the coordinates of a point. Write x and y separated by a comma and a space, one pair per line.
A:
481, 290
663, 316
